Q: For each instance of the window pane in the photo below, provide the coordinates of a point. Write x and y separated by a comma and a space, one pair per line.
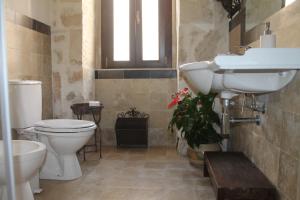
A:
121, 30
150, 16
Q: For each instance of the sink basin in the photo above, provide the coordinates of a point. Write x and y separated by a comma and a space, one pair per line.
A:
259, 70
261, 59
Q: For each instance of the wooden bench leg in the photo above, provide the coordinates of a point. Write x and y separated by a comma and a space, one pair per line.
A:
95, 140
205, 171
100, 143
220, 196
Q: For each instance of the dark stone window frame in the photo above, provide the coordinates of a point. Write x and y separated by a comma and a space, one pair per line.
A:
165, 37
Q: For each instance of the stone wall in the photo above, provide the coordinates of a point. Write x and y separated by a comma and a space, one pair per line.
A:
66, 24
29, 58
203, 33
257, 11
203, 30
274, 146
147, 95
89, 47
36, 9
73, 53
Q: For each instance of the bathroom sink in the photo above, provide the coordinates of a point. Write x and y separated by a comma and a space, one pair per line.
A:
258, 59
259, 70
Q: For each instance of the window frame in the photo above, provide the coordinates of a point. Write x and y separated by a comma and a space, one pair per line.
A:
165, 36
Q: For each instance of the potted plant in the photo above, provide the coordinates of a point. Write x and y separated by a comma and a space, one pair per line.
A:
195, 119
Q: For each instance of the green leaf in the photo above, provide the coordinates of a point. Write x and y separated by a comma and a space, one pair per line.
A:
195, 117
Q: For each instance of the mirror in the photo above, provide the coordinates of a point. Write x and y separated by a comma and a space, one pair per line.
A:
258, 10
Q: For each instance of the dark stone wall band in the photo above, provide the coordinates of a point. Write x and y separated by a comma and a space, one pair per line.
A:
134, 74
27, 22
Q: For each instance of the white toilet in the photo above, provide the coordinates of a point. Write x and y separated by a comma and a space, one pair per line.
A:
28, 157
62, 137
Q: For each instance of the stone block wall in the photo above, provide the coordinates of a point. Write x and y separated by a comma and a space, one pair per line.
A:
66, 24
203, 30
73, 50
29, 50
29, 58
89, 47
36, 9
203, 33
147, 95
275, 145
258, 10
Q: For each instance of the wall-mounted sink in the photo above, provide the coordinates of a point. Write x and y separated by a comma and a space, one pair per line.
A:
259, 70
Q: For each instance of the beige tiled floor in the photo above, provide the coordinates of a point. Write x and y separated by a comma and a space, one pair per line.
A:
132, 174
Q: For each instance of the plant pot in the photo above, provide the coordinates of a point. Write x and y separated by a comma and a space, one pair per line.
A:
196, 156
182, 144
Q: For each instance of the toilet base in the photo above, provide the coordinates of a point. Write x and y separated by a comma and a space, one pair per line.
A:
63, 167
23, 192
61, 162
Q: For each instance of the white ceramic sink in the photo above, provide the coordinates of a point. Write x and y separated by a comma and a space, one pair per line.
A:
259, 70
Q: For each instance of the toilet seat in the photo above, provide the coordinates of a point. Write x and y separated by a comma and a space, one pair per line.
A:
64, 127
64, 124
58, 130
66, 134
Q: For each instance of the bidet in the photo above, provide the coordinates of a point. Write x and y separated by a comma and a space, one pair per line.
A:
28, 157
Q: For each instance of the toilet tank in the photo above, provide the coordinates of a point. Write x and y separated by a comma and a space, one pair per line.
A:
25, 102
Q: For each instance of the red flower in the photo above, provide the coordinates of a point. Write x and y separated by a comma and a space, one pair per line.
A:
178, 97
174, 102
184, 91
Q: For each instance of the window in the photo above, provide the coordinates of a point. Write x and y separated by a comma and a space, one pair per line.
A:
136, 33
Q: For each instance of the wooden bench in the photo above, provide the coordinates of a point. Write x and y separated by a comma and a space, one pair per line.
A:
235, 177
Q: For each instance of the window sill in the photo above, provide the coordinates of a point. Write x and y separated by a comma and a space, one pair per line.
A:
141, 73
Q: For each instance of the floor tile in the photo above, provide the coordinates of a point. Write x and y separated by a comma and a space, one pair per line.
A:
132, 174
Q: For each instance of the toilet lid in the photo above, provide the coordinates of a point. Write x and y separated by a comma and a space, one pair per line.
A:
64, 125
